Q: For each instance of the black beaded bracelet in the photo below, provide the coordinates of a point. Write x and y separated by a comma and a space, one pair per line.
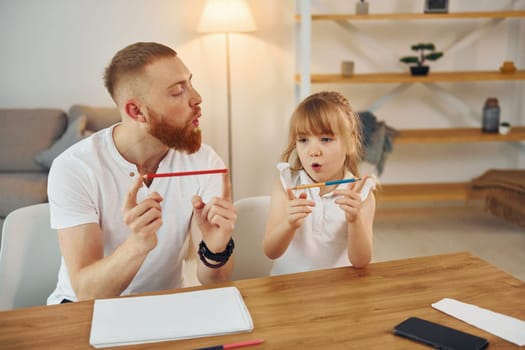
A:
221, 258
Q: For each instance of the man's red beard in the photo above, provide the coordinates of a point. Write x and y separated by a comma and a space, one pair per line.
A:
186, 139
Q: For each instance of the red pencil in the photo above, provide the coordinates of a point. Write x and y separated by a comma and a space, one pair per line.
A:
240, 344
186, 173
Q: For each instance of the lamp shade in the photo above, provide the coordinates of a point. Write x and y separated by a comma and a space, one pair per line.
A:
226, 16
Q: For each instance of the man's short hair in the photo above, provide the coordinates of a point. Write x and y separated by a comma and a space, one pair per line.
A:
131, 60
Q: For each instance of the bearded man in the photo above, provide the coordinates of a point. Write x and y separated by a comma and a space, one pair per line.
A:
119, 232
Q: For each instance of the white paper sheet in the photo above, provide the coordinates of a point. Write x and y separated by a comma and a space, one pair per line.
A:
503, 326
134, 320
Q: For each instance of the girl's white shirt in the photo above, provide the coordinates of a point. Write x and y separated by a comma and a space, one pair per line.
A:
321, 242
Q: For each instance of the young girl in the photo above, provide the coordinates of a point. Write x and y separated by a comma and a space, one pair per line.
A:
321, 227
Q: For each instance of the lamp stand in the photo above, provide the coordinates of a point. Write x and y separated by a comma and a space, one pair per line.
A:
229, 116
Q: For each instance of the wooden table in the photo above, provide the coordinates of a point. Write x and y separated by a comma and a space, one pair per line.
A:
343, 308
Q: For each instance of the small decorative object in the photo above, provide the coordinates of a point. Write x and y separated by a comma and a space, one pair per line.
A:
420, 68
436, 6
507, 67
361, 8
490, 119
504, 128
347, 68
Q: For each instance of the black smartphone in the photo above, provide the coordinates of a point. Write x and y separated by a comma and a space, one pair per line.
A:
438, 336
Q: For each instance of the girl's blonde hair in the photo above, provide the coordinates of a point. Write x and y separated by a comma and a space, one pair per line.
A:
326, 112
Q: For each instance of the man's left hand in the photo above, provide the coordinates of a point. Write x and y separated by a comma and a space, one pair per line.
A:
216, 219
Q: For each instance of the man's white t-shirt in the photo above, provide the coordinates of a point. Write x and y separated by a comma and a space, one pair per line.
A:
88, 183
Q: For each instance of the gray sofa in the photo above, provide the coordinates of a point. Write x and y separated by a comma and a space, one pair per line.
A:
29, 141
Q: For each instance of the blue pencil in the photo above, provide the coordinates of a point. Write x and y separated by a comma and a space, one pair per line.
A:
327, 183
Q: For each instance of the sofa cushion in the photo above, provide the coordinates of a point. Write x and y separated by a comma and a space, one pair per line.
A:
26, 132
97, 117
21, 189
73, 134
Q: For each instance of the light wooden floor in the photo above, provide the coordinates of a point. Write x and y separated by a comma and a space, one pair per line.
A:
409, 232
422, 230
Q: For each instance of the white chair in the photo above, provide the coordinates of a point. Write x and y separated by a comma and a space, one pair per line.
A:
29, 258
250, 261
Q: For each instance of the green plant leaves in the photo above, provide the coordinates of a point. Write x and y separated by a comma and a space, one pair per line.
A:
421, 48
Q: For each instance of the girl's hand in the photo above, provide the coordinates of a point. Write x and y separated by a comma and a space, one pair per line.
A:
350, 200
297, 209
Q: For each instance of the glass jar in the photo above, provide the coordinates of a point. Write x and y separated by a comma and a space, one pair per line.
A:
491, 111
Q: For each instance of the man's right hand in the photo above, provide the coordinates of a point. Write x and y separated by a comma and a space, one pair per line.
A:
95, 276
145, 218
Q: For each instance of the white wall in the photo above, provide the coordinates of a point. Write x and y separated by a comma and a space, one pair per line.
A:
53, 53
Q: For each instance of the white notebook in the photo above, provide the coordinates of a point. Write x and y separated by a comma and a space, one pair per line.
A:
147, 319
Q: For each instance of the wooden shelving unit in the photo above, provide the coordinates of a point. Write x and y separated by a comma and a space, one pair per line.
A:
432, 77
416, 16
459, 191
427, 192
450, 135
419, 191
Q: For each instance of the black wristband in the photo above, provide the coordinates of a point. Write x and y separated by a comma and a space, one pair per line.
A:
221, 258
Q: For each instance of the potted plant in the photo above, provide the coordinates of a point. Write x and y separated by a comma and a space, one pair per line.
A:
420, 68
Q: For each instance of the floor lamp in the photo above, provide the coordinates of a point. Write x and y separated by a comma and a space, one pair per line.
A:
227, 16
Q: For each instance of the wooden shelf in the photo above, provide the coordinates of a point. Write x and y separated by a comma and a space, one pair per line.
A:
432, 77
417, 16
458, 191
454, 191
411, 136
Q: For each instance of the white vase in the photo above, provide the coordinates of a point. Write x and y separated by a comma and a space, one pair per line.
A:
361, 8
504, 129
347, 68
